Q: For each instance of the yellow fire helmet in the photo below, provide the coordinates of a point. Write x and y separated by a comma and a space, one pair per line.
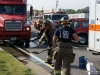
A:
38, 21
64, 20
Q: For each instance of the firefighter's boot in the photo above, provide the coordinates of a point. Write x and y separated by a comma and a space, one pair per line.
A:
52, 64
49, 61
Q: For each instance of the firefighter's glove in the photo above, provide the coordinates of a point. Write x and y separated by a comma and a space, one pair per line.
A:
55, 45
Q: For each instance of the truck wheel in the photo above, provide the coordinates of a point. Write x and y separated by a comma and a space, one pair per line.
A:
19, 42
95, 53
84, 39
27, 43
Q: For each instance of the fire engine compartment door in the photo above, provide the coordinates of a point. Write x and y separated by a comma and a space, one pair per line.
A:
91, 40
97, 31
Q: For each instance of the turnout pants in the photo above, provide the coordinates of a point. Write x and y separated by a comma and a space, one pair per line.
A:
62, 55
50, 54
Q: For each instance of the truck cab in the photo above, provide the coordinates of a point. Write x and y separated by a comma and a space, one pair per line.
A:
80, 25
52, 16
13, 18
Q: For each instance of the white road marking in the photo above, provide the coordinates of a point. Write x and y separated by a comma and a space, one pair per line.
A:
35, 57
40, 60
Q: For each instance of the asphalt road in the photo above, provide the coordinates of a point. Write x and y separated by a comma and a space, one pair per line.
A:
79, 50
39, 59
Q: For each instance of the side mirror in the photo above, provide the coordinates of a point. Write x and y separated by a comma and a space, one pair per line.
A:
31, 10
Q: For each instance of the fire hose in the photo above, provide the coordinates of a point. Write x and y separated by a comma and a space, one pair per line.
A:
38, 37
36, 52
35, 39
53, 48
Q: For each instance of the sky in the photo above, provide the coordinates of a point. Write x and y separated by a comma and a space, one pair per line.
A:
64, 4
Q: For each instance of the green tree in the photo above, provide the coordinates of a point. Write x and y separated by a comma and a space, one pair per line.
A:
86, 10
71, 11
80, 11
83, 10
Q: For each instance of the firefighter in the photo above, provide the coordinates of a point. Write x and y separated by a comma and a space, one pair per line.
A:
63, 51
47, 36
35, 25
38, 24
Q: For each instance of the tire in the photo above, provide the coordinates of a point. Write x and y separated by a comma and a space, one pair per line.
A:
95, 53
27, 42
84, 41
19, 42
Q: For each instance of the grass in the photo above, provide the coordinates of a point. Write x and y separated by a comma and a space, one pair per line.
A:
10, 66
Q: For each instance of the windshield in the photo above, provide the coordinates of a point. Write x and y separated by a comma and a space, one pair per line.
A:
58, 17
63, 15
85, 24
12, 9
47, 17
55, 17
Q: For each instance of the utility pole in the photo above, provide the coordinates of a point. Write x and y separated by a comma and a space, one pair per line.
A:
57, 3
32, 11
32, 2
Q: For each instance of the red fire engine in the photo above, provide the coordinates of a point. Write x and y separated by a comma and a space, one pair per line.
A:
53, 16
13, 17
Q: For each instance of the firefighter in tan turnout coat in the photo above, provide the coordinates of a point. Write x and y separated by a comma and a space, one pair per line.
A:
47, 36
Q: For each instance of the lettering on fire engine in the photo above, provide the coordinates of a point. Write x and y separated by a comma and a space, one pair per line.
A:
92, 21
